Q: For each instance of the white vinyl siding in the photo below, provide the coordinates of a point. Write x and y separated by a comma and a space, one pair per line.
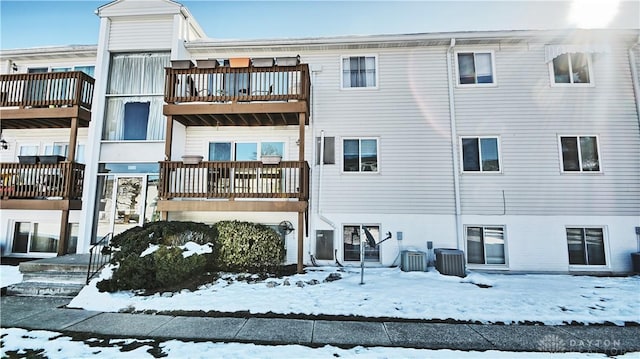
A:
530, 116
141, 33
409, 113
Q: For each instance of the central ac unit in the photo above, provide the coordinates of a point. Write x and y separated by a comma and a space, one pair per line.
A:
412, 261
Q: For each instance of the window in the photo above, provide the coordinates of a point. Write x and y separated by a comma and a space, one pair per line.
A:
480, 154
475, 68
586, 246
136, 117
28, 150
360, 155
572, 68
62, 149
244, 151
351, 241
220, 151
31, 237
485, 245
580, 154
359, 71
135, 96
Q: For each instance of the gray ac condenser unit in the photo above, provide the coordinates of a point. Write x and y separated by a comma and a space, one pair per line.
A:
450, 262
412, 261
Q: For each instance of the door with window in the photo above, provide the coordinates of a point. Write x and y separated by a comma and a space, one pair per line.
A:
353, 238
121, 205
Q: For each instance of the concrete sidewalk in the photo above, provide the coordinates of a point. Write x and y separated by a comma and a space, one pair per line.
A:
49, 313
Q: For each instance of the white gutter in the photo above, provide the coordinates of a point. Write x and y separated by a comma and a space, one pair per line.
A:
454, 144
634, 78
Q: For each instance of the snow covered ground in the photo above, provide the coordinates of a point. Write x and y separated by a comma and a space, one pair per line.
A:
9, 275
389, 292
56, 345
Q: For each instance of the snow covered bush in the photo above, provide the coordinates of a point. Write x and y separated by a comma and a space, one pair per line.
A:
164, 266
250, 247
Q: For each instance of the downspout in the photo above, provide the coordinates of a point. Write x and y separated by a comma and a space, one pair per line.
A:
635, 78
454, 141
321, 164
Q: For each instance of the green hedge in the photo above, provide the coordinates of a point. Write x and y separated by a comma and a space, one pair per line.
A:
249, 247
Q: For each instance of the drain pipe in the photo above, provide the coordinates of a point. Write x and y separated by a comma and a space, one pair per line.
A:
454, 146
320, 215
634, 77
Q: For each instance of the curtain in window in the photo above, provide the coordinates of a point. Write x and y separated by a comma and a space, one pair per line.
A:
484, 70
589, 154
489, 151
494, 245
475, 248
470, 154
466, 68
114, 123
351, 155
594, 239
137, 74
359, 72
570, 161
220, 151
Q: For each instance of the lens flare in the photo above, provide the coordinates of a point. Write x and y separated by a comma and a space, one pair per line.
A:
589, 14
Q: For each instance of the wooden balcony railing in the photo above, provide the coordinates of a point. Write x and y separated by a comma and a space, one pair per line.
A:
241, 179
36, 181
243, 84
72, 88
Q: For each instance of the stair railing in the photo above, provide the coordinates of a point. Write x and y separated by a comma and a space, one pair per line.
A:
99, 256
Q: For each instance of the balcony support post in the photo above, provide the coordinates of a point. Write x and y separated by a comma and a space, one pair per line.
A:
64, 233
301, 136
168, 138
73, 139
300, 231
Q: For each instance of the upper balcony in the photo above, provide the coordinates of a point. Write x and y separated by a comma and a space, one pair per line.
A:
238, 96
45, 100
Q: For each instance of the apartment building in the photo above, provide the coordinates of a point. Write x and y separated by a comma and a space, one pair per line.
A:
522, 148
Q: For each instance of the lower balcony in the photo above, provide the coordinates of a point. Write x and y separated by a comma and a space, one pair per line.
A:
234, 186
56, 186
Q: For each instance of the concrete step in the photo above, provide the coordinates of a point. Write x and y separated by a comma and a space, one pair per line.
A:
55, 277
40, 289
60, 264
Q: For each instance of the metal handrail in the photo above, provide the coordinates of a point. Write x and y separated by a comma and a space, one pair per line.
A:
97, 258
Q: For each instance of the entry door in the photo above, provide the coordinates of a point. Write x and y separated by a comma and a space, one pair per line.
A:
129, 203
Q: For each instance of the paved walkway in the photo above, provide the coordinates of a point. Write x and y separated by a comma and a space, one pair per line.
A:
50, 314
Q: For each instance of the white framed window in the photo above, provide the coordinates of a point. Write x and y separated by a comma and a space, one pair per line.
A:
485, 244
579, 153
586, 246
353, 238
62, 149
33, 237
244, 151
360, 155
475, 68
480, 154
359, 71
571, 69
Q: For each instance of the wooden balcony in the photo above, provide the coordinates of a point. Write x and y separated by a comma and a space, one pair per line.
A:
234, 186
56, 186
246, 96
45, 100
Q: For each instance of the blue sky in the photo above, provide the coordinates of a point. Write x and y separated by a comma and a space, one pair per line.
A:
27, 23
